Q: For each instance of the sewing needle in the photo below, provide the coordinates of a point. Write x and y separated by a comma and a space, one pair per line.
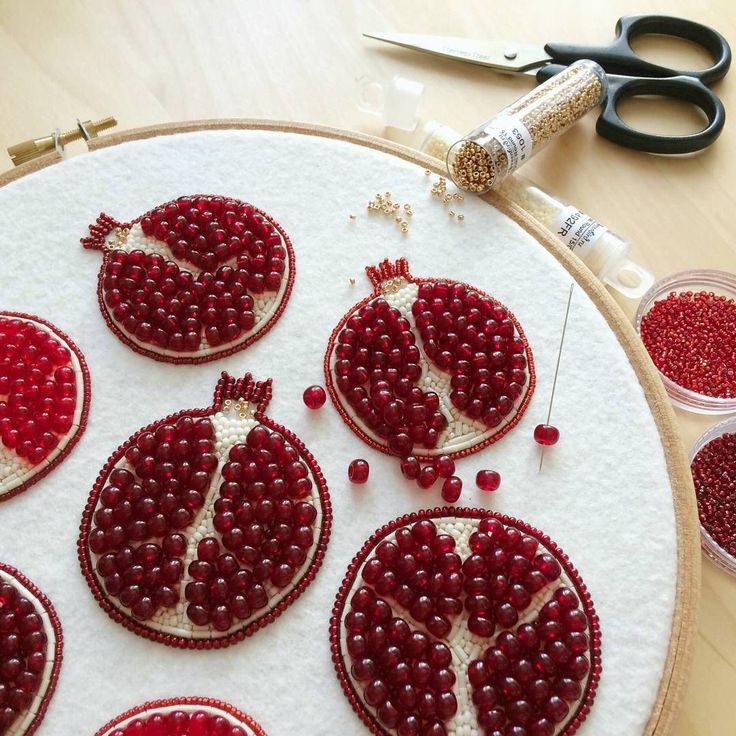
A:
557, 367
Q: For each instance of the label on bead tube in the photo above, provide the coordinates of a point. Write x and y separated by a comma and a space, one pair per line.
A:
578, 231
514, 137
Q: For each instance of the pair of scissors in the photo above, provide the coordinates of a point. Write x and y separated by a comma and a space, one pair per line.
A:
628, 74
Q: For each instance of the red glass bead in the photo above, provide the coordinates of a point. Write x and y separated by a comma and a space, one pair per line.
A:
444, 465
410, 468
487, 480
427, 476
358, 471
451, 489
314, 397
546, 434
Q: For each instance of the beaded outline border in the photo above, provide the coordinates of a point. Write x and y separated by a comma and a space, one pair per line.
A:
188, 700
343, 675
58, 649
137, 627
87, 395
401, 267
96, 242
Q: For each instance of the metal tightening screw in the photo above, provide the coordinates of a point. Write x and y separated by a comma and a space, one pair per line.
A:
30, 149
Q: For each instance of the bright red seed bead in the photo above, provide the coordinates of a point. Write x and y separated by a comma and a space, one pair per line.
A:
451, 489
314, 397
358, 471
487, 480
38, 386
691, 338
546, 434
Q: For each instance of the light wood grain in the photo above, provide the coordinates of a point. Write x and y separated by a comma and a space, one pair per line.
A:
159, 61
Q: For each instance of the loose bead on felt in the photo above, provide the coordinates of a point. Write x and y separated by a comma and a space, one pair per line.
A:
358, 471
314, 397
546, 434
451, 489
487, 480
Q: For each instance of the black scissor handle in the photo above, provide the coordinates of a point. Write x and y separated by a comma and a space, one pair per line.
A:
611, 126
619, 58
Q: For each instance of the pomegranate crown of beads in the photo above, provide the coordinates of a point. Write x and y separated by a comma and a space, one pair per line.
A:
100, 229
230, 388
387, 270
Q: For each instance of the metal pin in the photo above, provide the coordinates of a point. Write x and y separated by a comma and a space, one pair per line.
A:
557, 367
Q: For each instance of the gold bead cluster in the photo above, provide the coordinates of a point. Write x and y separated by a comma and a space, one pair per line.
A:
121, 235
481, 161
439, 190
241, 407
473, 168
384, 204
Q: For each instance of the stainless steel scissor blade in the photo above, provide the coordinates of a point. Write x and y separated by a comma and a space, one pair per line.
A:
500, 55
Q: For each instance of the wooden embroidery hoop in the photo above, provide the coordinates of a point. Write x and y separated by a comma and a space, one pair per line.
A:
682, 639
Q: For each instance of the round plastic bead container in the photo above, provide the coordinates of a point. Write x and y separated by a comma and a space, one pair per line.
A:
720, 283
712, 549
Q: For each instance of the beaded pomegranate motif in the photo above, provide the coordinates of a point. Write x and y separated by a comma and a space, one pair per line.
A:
44, 400
194, 279
30, 653
205, 526
461, 621
182, 717
426, 367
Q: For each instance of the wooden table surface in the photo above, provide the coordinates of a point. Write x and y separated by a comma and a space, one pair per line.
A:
161, 61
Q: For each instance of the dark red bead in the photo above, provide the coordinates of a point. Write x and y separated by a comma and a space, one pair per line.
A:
314, 397
546, 434
487, 480
451, 489
358, 471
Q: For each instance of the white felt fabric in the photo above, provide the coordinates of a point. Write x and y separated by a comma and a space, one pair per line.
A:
603, 495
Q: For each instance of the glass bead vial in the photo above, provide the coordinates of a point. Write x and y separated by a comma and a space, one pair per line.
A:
603, 252
487, 155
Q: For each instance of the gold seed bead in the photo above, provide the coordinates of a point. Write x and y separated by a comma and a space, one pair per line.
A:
461, 217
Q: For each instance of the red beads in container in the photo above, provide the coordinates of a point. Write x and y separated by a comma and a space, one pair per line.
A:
713, 465
687, 323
